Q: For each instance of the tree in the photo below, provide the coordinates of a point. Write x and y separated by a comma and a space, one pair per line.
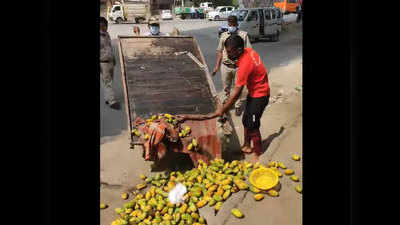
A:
222, 2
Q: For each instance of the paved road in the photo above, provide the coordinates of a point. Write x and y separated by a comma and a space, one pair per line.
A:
273, 54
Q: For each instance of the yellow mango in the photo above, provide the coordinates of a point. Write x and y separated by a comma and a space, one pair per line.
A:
226, 187
213, 187
237, 213
195, 216
194, 142
199, 179
294, 178
202, 220
212, 202
254, 189
226, 194
141, 186
220, 191
281, 165
124, 196
240, 184
167, 217
201, 203
289, 172
258, 197
226, 181
299, 189
190, 147
273, 193
218, 206
234, 189
147, 195
128, 211
273, 164
183, 208
295, 157
187, 129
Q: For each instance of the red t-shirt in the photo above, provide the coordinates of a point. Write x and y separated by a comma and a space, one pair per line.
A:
252, 73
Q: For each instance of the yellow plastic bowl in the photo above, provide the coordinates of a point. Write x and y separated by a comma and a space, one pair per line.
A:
264, 178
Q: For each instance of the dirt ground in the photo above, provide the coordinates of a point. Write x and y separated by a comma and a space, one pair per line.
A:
281, 130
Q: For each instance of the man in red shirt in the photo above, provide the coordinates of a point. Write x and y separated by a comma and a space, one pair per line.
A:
251, 73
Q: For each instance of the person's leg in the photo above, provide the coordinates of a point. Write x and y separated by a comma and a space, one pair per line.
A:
226, 77
251, 120
246, 143
106, 72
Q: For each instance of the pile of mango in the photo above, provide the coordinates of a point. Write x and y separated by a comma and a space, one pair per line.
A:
206, 185
172, 120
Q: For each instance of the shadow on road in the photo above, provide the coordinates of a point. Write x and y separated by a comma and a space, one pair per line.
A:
231, 150
266, 143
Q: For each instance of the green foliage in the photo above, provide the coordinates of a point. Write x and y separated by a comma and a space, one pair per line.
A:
235, 3
222, 2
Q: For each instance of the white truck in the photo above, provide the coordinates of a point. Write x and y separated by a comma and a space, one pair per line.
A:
129, 12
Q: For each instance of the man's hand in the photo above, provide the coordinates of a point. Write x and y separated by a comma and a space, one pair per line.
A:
219, 110
218, 63
181, 118
215, 71
217, 113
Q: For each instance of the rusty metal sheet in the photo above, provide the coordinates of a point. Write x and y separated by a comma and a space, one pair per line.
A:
156, 80
206, 134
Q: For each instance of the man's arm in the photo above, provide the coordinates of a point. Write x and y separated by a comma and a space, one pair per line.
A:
247, 42
220, 48
231, 100
242, 74
218, 63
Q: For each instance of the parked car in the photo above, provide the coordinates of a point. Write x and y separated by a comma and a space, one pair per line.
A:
221, 12
166, 14
258, 22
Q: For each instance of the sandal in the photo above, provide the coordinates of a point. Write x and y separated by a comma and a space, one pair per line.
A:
247, 149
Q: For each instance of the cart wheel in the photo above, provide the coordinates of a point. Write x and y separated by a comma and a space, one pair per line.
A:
119, 20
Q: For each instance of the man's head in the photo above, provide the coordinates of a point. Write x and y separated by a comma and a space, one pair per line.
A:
154, 26
234, 46
232, 24
103, 24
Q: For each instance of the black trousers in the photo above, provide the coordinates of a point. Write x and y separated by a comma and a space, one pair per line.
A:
253, 112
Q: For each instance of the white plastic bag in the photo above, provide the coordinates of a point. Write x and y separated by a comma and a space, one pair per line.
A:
176, 194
